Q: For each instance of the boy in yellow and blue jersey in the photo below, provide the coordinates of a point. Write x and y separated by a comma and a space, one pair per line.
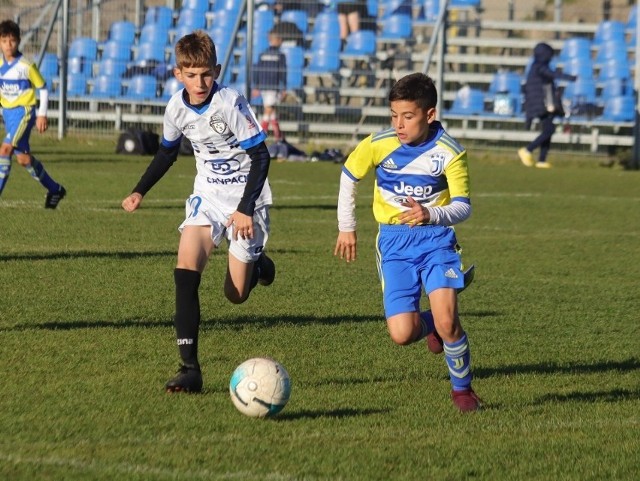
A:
19, 79
421, 190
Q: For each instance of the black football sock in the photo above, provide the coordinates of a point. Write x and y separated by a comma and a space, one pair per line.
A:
187, 319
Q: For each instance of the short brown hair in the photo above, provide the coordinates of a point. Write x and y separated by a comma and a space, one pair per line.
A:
9, 28
196, 50
415, 87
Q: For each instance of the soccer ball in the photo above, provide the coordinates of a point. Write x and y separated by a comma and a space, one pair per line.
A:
260, 387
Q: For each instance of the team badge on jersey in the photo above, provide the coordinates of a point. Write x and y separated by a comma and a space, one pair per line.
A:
437, 163
217, 124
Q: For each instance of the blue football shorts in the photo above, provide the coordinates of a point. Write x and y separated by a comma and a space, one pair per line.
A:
202, 211
18, 122
412, 258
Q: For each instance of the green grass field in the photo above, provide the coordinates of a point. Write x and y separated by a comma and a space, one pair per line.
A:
87, 338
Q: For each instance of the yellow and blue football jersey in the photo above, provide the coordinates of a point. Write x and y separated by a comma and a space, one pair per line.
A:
433, 173
18, 81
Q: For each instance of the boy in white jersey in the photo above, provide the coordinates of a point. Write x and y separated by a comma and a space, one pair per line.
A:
19, 79
231, 193
421, 190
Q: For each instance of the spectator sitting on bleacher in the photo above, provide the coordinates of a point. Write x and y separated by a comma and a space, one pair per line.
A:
350, 15
270, 82
541, 102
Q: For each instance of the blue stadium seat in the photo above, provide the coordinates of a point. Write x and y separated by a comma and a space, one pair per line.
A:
161, 16
76, 84
396, 27
191, 18
609, 30
504, 81
609, 49
372, 8
468, 101
115, 50
323, 61
327, 22
106, 86
395, 7
170, 87
581, 91
325, 41
581, 67
80, 65
575, 47
83, 47
199, 6
619, 109
614, 68
295, 65
360, 42
141, 87
154, 33
123, 32
614, 87
298, 17
49, 68
112, 67
150, 51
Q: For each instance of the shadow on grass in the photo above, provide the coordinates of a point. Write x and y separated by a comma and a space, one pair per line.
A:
304, 207
237, 323
83, 254
334, 413
614, 395
631, 364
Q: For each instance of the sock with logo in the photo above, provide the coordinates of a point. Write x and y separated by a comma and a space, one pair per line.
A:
5, 170
426, 325
187, 319
36, 169
458, 357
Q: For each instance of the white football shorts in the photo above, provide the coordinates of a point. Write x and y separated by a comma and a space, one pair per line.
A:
200, 211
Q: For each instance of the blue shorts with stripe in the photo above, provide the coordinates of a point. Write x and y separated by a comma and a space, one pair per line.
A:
18, 122
412, 258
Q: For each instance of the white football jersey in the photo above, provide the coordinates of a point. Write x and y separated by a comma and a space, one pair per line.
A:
220, 132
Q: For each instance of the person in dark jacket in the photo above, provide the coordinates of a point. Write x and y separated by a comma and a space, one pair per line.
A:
541, 102
270, 82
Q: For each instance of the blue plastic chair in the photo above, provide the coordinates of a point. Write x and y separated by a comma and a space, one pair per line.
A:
323, 61
582, 91
106, 86
141, 87
191, 18
509, 82
150, 51
298, 17
161, 16
581, 67
611, 49
468, 101
614, 87
123, 32
76, 84
619, 109
327, 22
80, 65
609, 30
200, 6
575, 47
325, 41
295, 66
115, 50
112, 67
361, 42
398, 26
83, 47
170, 87
372, 8
614, 68
154, 33
49, 68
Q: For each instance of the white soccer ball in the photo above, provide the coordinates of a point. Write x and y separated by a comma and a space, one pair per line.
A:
260, 387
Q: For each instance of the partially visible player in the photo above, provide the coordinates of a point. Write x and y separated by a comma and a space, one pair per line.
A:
231, 193
421, 190
19, 79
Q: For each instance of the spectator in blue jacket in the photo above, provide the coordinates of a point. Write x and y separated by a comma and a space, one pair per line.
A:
270, 82
541, 102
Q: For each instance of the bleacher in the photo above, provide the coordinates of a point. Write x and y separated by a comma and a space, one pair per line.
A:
338, 90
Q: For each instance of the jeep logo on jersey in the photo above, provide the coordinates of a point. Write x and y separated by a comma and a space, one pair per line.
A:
415, 191
223, 167
217, 124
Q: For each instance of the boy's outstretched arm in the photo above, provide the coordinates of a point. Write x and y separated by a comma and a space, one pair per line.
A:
346, 245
